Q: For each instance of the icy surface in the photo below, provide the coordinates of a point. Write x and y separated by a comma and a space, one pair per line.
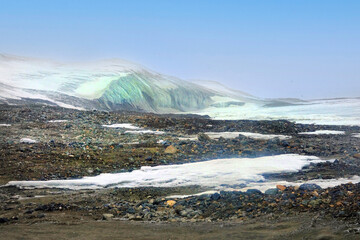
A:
215, 135
5, 125
322, 112
27, 140
323, 132
213, 173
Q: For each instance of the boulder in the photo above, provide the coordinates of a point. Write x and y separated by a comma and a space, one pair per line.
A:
272, 191
309, 187
107, 216
203, 137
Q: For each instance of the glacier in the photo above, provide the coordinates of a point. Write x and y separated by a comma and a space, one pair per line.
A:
117, 84
107, 85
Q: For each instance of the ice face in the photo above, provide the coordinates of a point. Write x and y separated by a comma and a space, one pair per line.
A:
111, 85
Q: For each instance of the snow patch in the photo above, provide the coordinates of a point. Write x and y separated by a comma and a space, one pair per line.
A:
216, 173
188, 138
323, 132
144, 132
134, 129
357, 135
258, 136
5, 125
122, 125
27, 140
57, 121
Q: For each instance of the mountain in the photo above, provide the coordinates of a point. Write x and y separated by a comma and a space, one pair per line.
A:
107, 85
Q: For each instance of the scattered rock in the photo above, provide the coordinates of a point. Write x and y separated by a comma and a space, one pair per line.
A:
281, 187
107, 216
253, 191
4, 220
309, 187
171, 149
215, 196
272, 191
170, 203
202, 137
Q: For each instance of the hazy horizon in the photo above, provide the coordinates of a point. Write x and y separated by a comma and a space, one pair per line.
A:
276, 49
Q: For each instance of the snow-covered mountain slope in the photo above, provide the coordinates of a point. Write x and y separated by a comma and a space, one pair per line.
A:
109, 84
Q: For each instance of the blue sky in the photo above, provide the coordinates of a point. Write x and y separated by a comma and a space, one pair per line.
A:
304, 49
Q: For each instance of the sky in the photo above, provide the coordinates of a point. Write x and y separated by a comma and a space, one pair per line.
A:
299, 48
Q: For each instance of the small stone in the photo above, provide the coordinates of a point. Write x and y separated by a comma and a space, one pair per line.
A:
215, 196
170, 203
171, 149
281, 187
107, 216
356, 155
253, 191
3, 220
203, 137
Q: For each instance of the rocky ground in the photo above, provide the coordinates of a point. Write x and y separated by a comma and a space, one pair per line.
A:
81, 146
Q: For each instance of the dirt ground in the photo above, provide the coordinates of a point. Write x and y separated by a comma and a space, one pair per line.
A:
296, 227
